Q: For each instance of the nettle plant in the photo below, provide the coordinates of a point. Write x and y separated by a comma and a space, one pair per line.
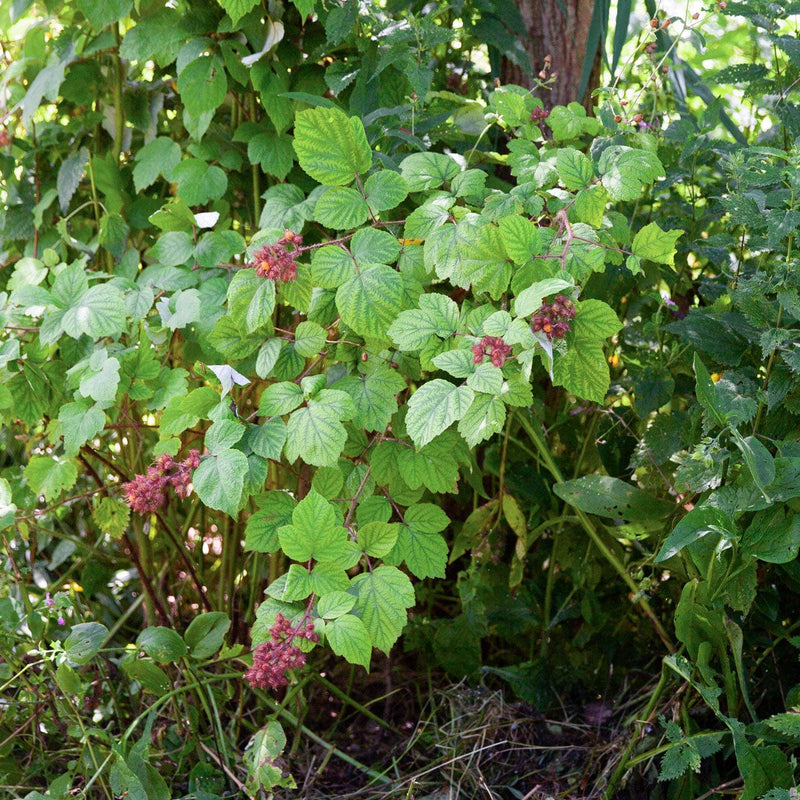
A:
338, 376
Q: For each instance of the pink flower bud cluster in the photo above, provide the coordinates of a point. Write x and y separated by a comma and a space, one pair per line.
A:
275, 262
492, 346
274, 658
147, 493
553, 320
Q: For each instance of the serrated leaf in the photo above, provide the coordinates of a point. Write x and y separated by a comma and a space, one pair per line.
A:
369, 301
521, 238
485, 417
331, 147
434, 407
335, 604
315, 434
626, 171
111, 516
203, 84
316, 532
341, 208
574, 168
157, 157
385, 190
261, 532
529, 300
236, 9
309, 339
279, 399
102, 13
79, 423
70, 174
50, 476
99, 312
349, 638
373, 246
374, 396
383, 596
219, 480
656, 245
423, 171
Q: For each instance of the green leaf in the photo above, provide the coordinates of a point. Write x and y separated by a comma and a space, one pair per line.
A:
84, 642
374, 396
157, 157
151, 677
434, 407
529, 300
574, 168
335, 604
484, 263
331, 266
251, 300
385, 190
611, 497
341, 208
627, 171
699, 522
199, 182
223, 435
273, 152
707, 394
373, 246
331, 147
773, 536
50, 476
370, 300
267, 440
383, 596
376, 539
102, 13
571, 121
261, 533
316, 532
423, 171
219, 480
101, 378
79, 423
206, 634
70, 174
485, 417
315, 434
759, 461
111, 516
203, 84
280, 398
236, 9
99, 312
521, 238
349, 638
656, 245
437, 316
163, 645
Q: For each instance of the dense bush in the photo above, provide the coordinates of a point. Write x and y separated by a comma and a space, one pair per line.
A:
312, 336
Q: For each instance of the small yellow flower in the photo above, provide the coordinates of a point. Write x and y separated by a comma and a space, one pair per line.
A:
715, 376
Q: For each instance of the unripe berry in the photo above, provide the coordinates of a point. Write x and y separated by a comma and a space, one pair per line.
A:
617, 118
654, 23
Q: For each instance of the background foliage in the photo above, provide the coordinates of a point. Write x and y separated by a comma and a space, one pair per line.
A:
313, 335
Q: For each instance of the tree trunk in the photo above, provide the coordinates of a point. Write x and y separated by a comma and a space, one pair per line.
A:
564, 38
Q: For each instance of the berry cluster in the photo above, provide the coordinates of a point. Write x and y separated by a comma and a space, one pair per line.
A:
492, 346
275, 261
274, 658
553, 320
147, 493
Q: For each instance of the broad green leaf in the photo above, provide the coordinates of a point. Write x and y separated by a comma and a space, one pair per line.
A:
316, 532
376, 539
521, 238
383, 596
699, 522
425, 554
349, 638
163, 645
279, 399
111, 515
331, 147
385, 190
626, 171
574, 168
173, 248
425, 219
335, 604
656, 245
341, 208
223, 435
370, 300
309, 339
773, 536
758, 459
485, 417
50, 476
206, 634
486, 378
79, 423
102, 13
203, 85
434, 407
432, 467
149, 675
374, 396
100, 380
84, 642
707, 394
331, 266
236, 9
99, 312
199, 182
219, 480
373, 246
315, 434
423, 171
611, 497
484, 262
251, 300
261, 532
267, 440
157, 157
436, 316
571, 121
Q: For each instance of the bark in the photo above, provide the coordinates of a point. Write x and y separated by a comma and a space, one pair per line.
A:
564, 39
